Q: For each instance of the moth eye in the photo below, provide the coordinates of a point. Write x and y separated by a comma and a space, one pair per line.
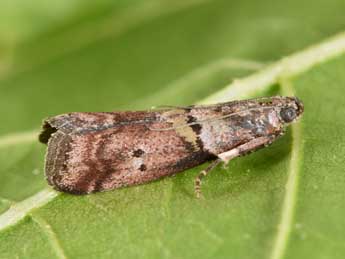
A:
288, 114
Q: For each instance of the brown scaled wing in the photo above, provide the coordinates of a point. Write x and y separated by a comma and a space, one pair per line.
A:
90, 152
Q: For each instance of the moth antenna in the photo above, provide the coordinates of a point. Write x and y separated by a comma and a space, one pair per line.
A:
170, 107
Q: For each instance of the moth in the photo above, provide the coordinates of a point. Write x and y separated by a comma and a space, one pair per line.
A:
98, 151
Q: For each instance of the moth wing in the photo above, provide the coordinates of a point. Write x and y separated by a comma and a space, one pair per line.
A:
81, 122
89, 152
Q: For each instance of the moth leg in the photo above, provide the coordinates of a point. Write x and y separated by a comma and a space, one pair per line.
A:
246, 148
225, 157
203, 173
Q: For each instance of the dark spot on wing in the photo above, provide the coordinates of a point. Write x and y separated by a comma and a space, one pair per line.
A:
138, 152
143, 167
195, 127
218, 108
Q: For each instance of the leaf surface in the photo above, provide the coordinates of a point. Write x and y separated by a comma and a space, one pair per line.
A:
285, 201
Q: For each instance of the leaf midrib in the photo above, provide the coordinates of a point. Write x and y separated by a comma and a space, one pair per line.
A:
20, 210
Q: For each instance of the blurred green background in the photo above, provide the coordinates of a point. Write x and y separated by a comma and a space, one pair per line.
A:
101, 55
73, 55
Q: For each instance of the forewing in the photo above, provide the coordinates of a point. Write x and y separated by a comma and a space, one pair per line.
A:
90, 152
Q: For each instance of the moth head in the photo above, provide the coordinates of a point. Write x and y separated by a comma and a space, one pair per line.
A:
291, 110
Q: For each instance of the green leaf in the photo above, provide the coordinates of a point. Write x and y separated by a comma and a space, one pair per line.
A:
285, 201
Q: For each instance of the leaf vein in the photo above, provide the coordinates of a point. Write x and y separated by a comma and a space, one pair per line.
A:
51, 235
21, 209
288, 209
